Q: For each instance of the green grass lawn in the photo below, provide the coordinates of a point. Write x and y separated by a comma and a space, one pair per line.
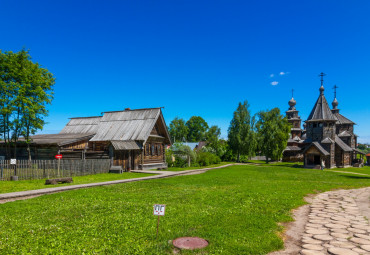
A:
237, 209
13, 186
361, 170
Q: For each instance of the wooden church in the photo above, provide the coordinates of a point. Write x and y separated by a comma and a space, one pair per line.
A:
328, 139
132, 139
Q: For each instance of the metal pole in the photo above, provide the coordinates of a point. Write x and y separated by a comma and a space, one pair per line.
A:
157, 226
58, 167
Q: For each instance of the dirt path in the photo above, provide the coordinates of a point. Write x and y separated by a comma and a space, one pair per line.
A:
335, 222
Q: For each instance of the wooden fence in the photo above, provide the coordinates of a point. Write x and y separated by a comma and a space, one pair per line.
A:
41, 169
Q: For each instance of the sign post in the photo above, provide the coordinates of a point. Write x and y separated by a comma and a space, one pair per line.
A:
158, 210
58, 156
13, 162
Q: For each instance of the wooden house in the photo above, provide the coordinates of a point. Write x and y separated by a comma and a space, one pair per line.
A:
132, 139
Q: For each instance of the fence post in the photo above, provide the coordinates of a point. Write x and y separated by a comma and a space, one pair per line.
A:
44, 169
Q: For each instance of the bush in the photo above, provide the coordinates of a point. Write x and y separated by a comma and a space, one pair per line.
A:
207, 158
179, 154
169, 158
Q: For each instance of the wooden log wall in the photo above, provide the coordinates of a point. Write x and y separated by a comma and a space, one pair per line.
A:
154, 152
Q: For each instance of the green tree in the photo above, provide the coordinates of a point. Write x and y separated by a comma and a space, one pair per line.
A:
30, 91
178, 130
273, 133
7, 92
241, 133
197, 129
213, 140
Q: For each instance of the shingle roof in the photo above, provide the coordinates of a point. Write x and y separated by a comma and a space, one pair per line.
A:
321, 110
359, 151
319, 147
82, 125
292, 148
342, 120
327, 140
126, 125
59, 139
344, 134
342, 144
126, 145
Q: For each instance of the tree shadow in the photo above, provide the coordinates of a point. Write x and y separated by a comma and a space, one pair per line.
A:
284, 165
355, 177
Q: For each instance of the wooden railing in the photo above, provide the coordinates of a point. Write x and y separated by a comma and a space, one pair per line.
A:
41, 169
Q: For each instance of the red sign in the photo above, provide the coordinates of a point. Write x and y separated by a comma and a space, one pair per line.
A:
59, 156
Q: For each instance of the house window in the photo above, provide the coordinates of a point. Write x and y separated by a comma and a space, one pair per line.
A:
159, 151
147, 149
152, 152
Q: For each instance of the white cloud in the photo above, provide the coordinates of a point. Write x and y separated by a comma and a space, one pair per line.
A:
272, 75
282, 73
274, 83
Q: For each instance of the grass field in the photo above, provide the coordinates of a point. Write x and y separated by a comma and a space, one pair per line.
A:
237, 209
198, 167
13, 186
361, 170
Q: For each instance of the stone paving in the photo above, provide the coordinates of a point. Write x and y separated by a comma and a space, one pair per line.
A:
337, 225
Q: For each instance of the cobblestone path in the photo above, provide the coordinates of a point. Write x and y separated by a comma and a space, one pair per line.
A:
337, 224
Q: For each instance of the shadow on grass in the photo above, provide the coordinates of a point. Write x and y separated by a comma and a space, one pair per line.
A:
355, 177
284, 165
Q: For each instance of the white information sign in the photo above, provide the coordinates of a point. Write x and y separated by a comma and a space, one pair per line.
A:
159, 210
13, 161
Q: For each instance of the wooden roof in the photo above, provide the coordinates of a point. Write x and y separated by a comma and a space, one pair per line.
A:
58, 139
321, 110
127, 125
342, 120
342, 144
319, 148
82, 125
126, 145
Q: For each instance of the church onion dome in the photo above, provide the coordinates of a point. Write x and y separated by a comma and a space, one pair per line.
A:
322, 89
335, 103
292, 104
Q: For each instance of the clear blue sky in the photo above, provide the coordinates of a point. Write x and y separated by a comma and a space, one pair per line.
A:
195, 57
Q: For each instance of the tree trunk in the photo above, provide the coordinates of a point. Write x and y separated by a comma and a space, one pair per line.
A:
238, 159
29, 152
